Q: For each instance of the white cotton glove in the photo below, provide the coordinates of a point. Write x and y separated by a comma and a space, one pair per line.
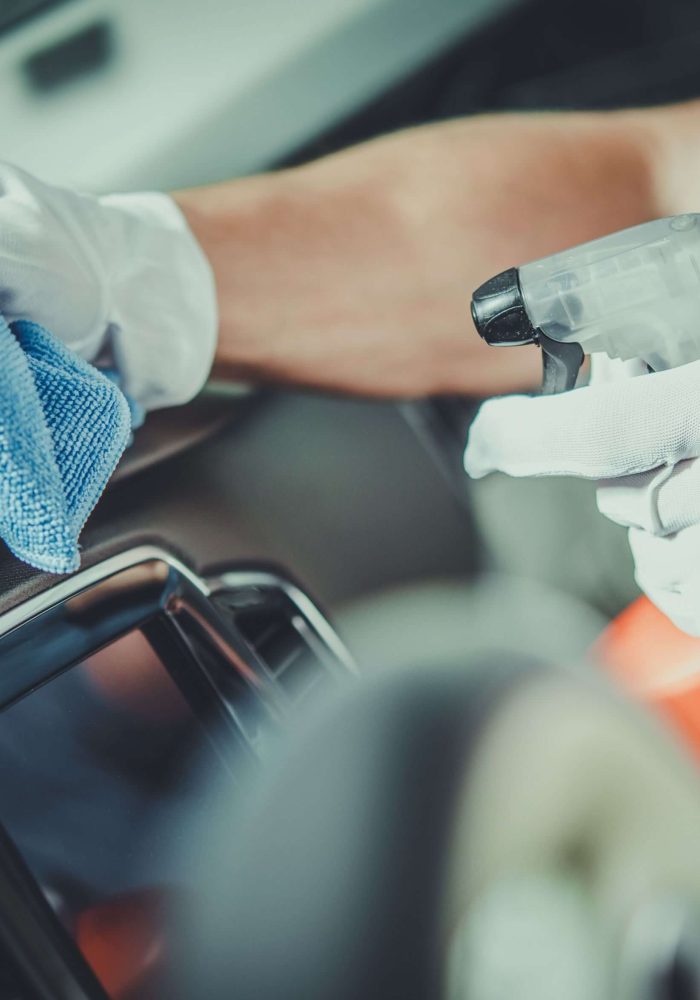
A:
640, 436
119, 277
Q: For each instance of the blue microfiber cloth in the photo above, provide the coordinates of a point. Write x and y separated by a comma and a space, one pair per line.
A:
63, 428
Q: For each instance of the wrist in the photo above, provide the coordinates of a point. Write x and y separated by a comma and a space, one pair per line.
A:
230, 223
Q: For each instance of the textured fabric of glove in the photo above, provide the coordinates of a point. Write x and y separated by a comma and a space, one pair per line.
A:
119, 278
601, 431
63, 428
640, 437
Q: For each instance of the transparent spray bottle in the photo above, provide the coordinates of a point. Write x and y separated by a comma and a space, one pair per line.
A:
633, 294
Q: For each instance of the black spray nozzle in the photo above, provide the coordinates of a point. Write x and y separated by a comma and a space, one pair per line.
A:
499, 312
502, 320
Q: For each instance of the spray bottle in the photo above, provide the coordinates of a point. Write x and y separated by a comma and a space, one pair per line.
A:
633, 294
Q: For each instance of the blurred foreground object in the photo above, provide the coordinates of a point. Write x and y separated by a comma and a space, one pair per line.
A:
658, 663
506, 830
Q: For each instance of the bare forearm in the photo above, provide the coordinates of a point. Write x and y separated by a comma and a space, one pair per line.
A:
675, 135
353, 273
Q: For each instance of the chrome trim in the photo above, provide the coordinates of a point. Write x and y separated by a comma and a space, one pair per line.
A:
231, 579
92, 575
39, 638
235, 579
36, 637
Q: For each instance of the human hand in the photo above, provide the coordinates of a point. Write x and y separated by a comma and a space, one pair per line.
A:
639, 435
119, 277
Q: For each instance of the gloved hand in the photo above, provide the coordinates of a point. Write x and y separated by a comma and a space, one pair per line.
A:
640, 436
118, 277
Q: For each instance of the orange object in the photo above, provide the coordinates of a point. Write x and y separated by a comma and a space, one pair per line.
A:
657, 663
123, 939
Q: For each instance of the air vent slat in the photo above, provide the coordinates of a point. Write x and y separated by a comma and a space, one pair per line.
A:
278, 645
294, 652
284, 664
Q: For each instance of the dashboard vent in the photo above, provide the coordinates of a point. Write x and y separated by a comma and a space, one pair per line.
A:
289, 639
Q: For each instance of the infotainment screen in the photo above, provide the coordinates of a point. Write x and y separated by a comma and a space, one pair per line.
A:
99, 768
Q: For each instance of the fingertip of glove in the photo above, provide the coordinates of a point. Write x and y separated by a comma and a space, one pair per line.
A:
490, 423
472, 466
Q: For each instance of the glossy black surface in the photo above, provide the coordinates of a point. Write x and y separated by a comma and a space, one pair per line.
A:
101, 769
121, 688
105, 713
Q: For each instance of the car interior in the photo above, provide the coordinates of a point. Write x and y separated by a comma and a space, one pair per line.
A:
262, 551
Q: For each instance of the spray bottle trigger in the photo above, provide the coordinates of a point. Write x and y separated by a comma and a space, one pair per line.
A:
561, 364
